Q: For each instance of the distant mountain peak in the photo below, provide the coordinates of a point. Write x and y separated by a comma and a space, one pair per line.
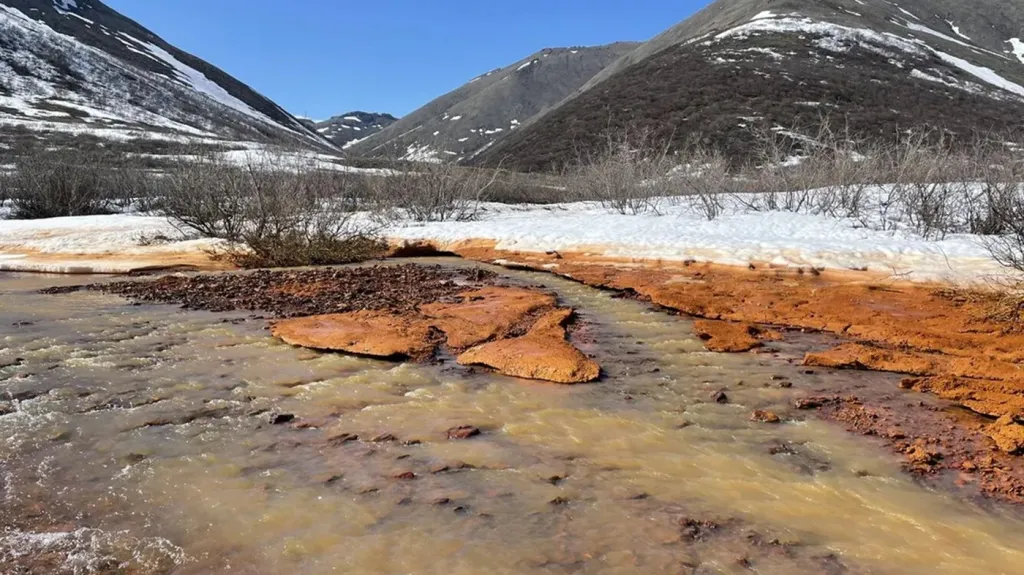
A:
471, 118
350, 128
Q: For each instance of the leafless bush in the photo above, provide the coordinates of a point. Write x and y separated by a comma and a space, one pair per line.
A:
272, 218
705, 175
48, 184
627, 174
433, 192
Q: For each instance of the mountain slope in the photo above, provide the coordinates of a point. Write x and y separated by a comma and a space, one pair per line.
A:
79, 67
879, 66
348, 129
461, 123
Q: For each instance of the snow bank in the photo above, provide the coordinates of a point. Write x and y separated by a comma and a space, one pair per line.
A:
738, 238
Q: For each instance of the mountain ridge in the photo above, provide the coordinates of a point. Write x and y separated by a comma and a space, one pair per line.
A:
459, 124
81, 68
783, 62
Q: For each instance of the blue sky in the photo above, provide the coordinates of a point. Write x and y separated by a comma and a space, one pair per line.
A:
318, 58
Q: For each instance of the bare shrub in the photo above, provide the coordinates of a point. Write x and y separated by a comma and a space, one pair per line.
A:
628, 174
433, 192
49, 184
273, 218
705, 175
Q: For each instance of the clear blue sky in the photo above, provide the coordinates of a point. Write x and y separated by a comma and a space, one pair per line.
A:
319, 58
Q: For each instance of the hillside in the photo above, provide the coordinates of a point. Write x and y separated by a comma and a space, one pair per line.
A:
78, 68
740, 65
348, 129
461, 123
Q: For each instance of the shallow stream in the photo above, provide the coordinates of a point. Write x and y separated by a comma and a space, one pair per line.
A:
139, 440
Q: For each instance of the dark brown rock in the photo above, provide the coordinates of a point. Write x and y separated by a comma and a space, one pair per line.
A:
463, 432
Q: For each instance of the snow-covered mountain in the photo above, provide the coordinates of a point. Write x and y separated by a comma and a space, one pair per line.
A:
879, 66
463, 122
77, 67
349, 129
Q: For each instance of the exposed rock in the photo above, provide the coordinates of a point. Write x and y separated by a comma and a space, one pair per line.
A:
719, 397
404, 475
543, 353
485, 314
762, 416
463, 432
727, 337
372, 333
280, 418
1008, 433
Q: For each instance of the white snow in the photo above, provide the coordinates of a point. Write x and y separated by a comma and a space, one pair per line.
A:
97, 236
526, 65
422, 153
124, 93
455, 118
838, 38
352, 119
738, 238
985, 74
1018, 48
937, 34
202, 84
834, 37
765, 14
956, 30
63, 6
907, 13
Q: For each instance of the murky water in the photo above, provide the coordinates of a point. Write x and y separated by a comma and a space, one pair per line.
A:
139, 440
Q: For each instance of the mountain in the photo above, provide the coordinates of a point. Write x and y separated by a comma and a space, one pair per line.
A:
875, 66
77, 67
463, 122
348, 129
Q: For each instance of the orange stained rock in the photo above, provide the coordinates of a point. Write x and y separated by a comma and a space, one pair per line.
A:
373, 333
485, 314
921, 329
727, 337
543, 353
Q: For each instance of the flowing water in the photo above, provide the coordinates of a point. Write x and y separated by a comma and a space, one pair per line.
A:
138, 439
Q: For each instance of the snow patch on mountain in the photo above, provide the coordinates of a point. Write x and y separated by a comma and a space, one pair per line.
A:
838, 38
1017, 45
55, 82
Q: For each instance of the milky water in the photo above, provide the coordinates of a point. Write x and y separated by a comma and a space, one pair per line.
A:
139, 441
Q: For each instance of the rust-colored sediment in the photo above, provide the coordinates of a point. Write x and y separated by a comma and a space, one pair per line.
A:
373, 333
948, 341
483, 328
542, 353
731, 337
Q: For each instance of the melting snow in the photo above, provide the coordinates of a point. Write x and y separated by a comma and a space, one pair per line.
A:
838, 38
527, 64
738, 237
204, 85
937, 34
352, 119
456, 118
765, 14
1018, 48
956, 30
982, 73
907, 13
